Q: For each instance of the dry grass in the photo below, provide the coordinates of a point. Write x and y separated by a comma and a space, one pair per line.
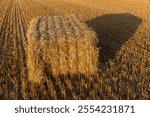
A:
60, 46
123, 31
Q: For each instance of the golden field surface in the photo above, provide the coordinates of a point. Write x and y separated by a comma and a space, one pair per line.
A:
122, 28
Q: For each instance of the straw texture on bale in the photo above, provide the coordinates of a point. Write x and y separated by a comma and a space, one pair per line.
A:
60, 45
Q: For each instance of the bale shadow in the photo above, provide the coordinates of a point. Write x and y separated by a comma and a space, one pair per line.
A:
113, 30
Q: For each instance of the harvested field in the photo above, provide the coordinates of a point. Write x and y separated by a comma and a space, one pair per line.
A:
123, 33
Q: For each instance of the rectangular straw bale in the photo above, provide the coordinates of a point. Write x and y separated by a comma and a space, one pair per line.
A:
60, 45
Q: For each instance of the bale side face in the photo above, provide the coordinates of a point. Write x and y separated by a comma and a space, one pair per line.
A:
60, 45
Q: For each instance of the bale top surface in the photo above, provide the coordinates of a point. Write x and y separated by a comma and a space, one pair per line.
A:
55, 27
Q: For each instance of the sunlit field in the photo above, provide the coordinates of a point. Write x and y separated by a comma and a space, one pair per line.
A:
122, 30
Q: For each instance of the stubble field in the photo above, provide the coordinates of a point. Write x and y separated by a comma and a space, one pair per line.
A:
123, 31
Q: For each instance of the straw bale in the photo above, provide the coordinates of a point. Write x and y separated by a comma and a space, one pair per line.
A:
60, 45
